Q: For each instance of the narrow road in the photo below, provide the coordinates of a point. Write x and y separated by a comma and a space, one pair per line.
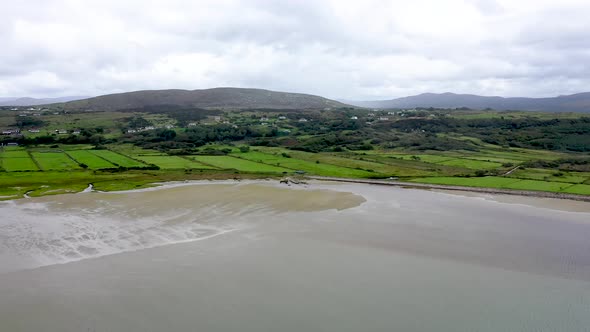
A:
512, 170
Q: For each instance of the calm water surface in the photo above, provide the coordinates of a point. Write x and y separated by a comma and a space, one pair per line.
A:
326, 257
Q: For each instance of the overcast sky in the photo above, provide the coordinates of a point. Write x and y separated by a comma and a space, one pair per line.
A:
339, 49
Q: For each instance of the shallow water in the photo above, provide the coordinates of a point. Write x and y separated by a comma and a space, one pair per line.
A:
259, 257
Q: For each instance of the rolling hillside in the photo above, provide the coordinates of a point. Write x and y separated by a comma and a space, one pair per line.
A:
233, 98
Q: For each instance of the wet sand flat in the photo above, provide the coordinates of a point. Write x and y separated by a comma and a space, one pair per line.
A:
257, 256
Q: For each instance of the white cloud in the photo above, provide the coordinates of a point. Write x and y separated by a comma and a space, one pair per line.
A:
346, 49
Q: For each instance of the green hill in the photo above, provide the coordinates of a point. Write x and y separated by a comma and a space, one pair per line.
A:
232, 98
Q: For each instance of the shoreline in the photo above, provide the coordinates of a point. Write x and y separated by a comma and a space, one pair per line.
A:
484, 190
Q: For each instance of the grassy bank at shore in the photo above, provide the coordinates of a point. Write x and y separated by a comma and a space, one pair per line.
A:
47, 170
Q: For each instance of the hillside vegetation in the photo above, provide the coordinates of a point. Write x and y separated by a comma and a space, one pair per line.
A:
232, 98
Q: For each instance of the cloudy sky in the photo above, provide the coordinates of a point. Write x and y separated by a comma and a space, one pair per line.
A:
368, 49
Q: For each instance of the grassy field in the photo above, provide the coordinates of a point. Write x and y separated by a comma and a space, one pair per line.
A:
50, 160
228, 162
173, 162
447, 168
471, 163
89, 159
315, 168
505, 183
117, 159
489, 181
17, 160
538, 185
16, 184
550, 175
580, 189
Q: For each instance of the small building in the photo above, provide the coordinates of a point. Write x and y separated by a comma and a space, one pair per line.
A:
11, 132
217, 118
303, 120
131, 131
282, 117
76, 132
354, 117
61, 131
34, 131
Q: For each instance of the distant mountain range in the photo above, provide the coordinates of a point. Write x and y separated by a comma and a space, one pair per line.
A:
571, 103
237, 98
27, 101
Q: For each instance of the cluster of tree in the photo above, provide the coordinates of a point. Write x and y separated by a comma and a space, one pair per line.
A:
554, 134
183, 116
332, 130
167, 139
28, 121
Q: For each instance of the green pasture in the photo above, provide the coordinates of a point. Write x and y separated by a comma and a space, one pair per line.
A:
508, 183
117, 159
581, 189
173, 162
229, 162
54, 161
17, 161
470, 163
295, 164
538, 185
488, 181
550, 175
90, 159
